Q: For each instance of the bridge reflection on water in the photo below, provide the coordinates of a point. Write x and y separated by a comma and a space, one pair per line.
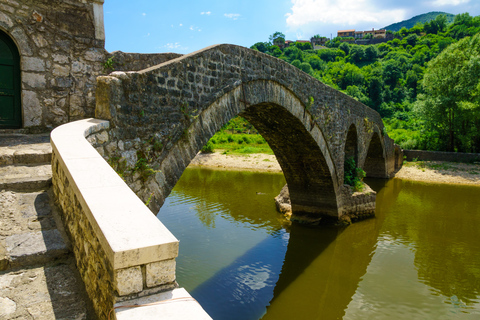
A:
241, 261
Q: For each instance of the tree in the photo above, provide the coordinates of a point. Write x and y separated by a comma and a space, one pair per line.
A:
261, 46
329, 55
357, 53
451, 104
293, 53
371, 53
439, 24
277, 39
296, 63
345, 48
306, 67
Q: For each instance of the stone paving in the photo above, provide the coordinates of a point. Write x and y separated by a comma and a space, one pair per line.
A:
38, 276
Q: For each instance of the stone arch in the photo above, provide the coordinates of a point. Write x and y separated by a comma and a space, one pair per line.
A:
375, 161
351, 143
283, 121
10, 83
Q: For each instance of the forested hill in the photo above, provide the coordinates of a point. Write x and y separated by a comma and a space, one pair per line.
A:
422, 18
424, 82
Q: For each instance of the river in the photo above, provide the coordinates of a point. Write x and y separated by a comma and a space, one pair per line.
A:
419, 258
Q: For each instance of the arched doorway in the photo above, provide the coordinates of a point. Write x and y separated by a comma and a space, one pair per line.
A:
10, 106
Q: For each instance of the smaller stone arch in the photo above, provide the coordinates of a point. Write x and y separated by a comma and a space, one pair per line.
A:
375, 161
351, 143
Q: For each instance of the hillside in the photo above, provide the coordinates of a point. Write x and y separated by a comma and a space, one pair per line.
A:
422, 18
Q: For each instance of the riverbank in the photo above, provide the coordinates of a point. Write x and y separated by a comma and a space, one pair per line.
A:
426, 171
251, 162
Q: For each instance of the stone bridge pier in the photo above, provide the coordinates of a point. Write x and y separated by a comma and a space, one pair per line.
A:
161, 117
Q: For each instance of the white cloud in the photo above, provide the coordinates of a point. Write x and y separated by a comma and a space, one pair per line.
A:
144, 14
441, 3
193, 28
342, 12
181, 24
233, 16
175, 45
207, 13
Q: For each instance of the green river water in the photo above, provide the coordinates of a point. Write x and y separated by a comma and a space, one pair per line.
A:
419, 258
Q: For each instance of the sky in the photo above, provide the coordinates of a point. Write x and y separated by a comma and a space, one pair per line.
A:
184, 26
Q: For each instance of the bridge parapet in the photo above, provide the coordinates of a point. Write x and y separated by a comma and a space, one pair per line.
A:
125, 255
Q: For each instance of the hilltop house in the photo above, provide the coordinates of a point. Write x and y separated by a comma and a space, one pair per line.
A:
376, 34
346, 33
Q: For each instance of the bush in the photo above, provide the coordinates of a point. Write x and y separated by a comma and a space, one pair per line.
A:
353, 175
208, 148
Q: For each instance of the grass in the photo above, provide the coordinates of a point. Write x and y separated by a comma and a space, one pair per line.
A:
240, 143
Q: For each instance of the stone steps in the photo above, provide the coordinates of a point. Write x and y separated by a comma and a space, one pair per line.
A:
24, 149
38, 276
29, 235
25, 177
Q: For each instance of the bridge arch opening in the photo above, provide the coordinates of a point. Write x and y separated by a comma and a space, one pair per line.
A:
310, 184
375, 165
351, 144
291, 133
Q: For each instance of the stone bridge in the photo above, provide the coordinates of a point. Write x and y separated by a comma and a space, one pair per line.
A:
161, 117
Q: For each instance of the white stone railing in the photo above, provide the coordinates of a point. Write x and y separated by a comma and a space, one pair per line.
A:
125, 255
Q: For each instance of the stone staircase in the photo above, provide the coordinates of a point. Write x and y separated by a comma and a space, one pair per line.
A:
38, 276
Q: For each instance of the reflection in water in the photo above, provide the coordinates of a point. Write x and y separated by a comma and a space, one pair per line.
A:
418, 258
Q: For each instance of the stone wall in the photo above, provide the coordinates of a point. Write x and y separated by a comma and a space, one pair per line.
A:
123, 61
123, 252
61, 45
441, 156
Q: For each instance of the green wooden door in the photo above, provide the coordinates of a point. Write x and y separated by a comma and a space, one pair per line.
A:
10, 107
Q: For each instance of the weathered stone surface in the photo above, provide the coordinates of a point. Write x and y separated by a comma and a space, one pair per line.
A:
5, 21
43, 293
35, 247
7, 307
32, 109
161, 272
34, 80
129, 280
33, 64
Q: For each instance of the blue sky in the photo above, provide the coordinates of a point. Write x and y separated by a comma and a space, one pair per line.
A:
184, 26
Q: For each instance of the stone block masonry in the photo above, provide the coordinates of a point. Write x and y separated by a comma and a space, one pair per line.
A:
123, 252
61, 47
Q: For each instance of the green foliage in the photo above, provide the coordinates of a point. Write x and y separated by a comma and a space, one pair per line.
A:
393, 79
108, 64
238, 136
142, 166
353, 176
277, 38
450, 106
208, 148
